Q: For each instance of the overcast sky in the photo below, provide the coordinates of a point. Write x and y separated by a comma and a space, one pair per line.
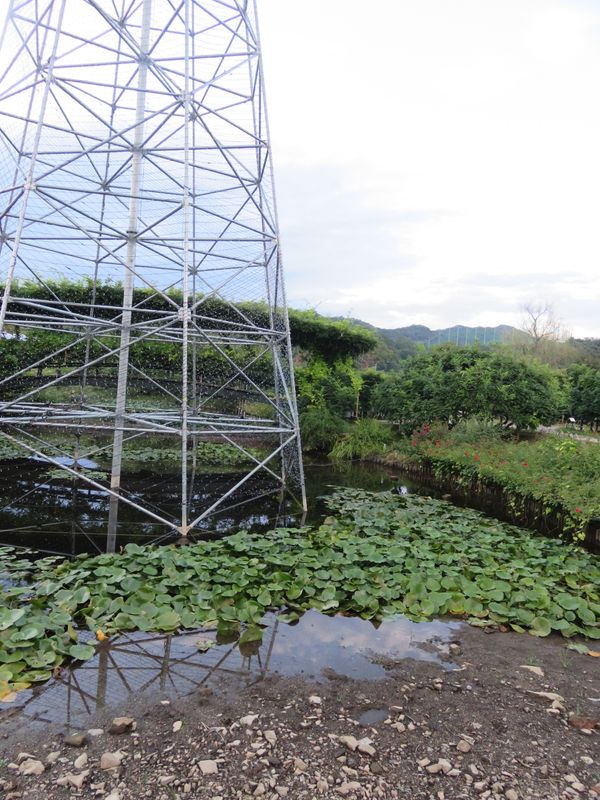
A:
437, 162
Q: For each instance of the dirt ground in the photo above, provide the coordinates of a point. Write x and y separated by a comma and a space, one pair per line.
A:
480, 731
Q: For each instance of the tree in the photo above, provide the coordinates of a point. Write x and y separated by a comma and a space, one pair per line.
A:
585, 395
451, 383
541, 325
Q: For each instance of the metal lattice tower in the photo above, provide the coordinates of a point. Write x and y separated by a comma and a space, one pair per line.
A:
135, 160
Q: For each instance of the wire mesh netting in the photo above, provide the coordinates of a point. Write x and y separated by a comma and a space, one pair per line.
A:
143, 301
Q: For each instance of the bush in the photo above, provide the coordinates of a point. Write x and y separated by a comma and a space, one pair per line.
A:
320, 429
366, 437
473, 431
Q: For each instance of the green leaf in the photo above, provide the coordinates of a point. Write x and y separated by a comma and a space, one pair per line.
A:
167, 620
541, 626
264, 598
81, 652
8, 617
567, 601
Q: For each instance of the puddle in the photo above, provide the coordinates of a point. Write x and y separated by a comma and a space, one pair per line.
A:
151, 667
373, 717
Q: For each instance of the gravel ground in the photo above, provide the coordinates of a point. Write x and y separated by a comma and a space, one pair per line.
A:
490, 729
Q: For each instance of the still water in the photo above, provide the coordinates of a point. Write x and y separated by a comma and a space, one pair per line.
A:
139, 668
60, 516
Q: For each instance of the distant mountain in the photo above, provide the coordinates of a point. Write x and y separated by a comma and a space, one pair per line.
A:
396, 344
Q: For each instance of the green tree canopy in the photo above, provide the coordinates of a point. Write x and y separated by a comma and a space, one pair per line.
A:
451, 383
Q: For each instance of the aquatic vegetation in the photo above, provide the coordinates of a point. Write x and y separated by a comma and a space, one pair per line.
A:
377, 555
552, 470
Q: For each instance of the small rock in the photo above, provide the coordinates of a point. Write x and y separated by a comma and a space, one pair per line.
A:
81, 761
282, 791
52, 758
271, 737
94, 732
587, 760
76, 739
23, 756
260, 790
348, 787
177, 726
114, 795
365, 746
208, 767
552, 696
121, 725
249, 720
424, 762
111, 760
31, 766
536, 671
165, 780
300, 765
463, 746
76, 781
315, 700
350, 742
511, 794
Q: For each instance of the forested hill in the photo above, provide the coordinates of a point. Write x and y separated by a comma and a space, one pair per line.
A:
396, 344
457, 334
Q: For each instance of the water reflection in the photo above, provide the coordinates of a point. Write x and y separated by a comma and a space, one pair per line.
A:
140, 666
59, 515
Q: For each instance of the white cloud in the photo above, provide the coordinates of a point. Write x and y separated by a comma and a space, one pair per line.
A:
421, 146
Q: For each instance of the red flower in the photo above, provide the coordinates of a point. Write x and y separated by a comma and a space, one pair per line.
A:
476, 457
525, 464
413, 443
578, 511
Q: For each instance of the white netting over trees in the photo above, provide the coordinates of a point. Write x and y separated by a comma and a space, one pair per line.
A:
139, 261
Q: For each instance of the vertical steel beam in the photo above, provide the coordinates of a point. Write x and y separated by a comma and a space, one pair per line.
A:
132, 233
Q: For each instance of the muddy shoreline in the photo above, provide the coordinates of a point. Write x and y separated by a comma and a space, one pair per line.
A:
477, 730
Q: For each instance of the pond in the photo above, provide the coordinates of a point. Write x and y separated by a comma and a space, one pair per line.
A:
57, 516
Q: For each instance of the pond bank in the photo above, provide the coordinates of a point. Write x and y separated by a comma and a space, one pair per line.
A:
490, 496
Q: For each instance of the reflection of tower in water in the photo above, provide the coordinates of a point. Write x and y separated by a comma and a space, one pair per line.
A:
137, 165
138, 664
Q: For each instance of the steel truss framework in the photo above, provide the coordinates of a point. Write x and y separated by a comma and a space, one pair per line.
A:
134, 150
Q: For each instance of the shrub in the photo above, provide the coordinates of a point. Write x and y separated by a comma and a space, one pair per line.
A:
320, 429
473, 431
366, 437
